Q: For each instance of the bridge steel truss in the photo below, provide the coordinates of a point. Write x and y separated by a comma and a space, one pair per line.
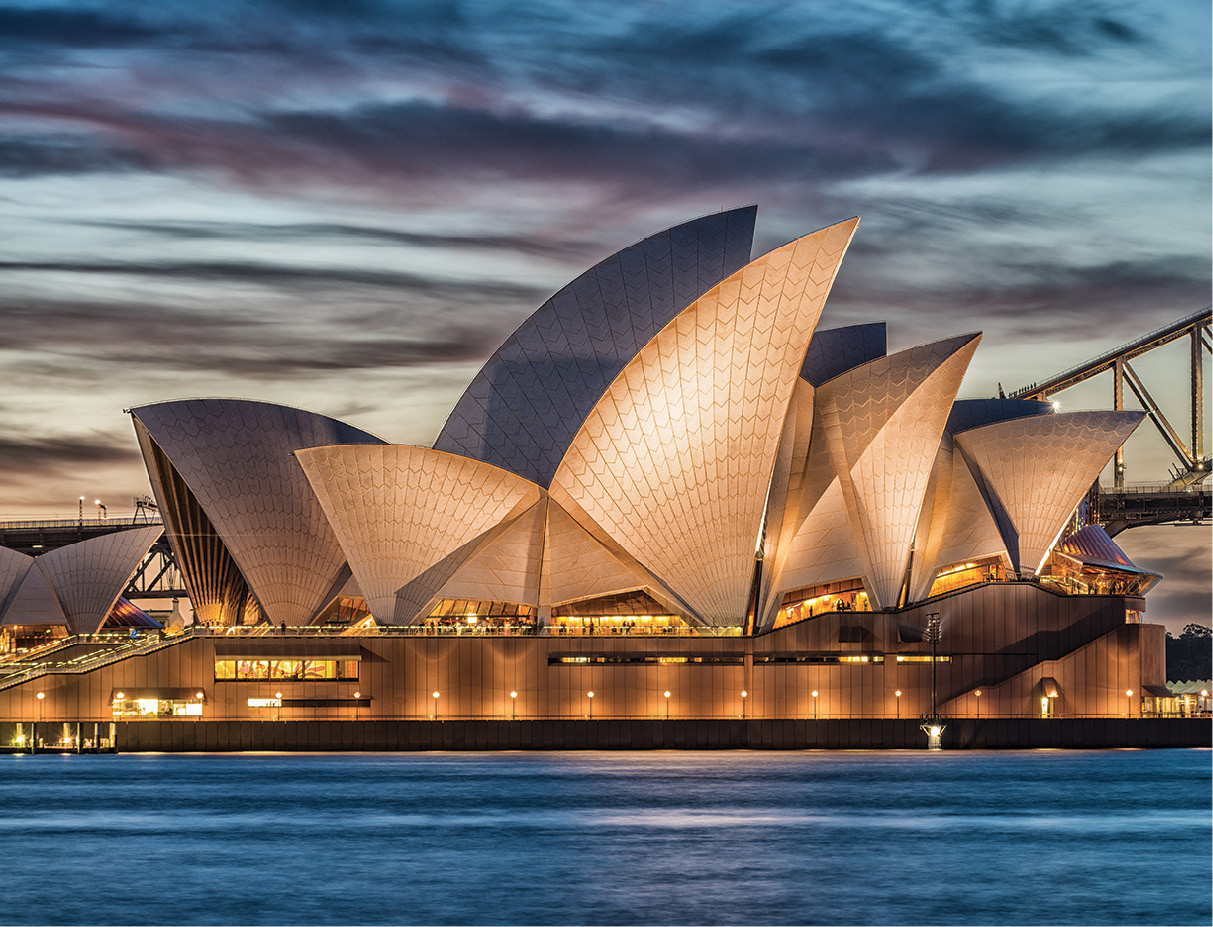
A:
1194, 464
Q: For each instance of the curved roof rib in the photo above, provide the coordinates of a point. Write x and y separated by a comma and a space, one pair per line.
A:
235, 457
675, 460
409, 517
527, 402
883, 422
1033, 471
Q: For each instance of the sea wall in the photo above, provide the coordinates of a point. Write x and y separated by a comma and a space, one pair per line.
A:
688, 734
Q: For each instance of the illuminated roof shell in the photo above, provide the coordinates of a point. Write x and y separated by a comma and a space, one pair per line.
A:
526, 404
236, 458
675, 459
1033, 471
409, 517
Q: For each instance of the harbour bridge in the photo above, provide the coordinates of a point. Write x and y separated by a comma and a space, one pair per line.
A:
1184, 499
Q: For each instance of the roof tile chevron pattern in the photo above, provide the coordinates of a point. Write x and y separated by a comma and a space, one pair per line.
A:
824, 549
883, 422
956, 525
35, 602
675, 460
973, 413
524, 407
89, 576
505, 568
576, 565
13, 567
400, 510
1033, 471
836, 350
236, 458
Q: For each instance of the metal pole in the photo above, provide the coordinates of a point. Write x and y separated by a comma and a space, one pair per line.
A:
1118, 403
1198, 399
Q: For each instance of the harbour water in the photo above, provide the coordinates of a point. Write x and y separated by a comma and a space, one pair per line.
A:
905, 837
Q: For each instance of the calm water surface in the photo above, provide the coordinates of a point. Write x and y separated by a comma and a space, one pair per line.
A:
1032, 837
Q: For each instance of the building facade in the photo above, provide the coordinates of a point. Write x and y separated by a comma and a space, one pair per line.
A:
671, 487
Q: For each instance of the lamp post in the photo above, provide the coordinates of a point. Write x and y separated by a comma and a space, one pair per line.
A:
1128, 703
277, 706
814, 704
898, 694
513, 705
590, 696
357, 697
436, 694
667, 704
977, 692
744, 695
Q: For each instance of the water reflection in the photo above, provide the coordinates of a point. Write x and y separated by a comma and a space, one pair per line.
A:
722, 837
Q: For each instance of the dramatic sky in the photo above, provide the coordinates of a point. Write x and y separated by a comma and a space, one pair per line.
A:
347, 205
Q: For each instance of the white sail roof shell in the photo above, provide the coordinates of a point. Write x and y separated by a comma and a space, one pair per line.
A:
525, 406
883, 422
236, 458
675, 460
409, 517
1033, 471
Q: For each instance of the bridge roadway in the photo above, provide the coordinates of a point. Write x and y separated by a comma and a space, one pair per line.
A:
1136, 506
37, 536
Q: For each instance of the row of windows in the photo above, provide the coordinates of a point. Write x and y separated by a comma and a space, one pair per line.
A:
628, 658
820, 658
737, 659
238, 670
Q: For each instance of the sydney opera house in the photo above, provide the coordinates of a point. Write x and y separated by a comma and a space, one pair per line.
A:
674, 492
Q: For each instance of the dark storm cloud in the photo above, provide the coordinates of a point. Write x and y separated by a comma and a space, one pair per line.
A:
768, 96
1039, 299
72, 28
254, 342
33, 156
537, 245
27, 455
287, 276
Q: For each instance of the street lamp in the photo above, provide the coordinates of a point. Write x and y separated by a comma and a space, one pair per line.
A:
277, 706
513, 705
590, 696
744, 695
1128, 703
977, 692
814, 704
357, 696
436, 705
667, 704
898, 694
41, 696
